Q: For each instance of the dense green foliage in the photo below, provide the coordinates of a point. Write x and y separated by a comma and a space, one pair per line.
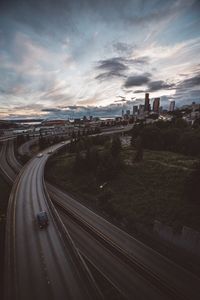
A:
46, 141
141, 192
175, 136
21, 139
192, 185
105, 163
138, 157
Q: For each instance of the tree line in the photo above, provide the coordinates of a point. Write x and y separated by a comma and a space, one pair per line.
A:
174, 136
99, 155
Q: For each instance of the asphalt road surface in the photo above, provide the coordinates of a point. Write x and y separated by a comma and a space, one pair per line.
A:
124, 278
40, 265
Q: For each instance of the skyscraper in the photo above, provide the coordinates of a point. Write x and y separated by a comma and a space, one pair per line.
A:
135, 110
141, 109
156, 105
146, 103
172, 105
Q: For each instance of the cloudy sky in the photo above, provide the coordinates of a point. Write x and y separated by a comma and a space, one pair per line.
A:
70, 57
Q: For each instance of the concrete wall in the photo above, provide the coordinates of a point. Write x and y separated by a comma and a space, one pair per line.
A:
188, 239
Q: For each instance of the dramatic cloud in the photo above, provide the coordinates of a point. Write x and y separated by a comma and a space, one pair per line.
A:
159, 85
139, 91
116, 64
123, 48
108, 75
190, 82
51, 109
137, 80
56, 54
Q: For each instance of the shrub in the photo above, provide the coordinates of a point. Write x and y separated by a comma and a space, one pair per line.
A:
192, 185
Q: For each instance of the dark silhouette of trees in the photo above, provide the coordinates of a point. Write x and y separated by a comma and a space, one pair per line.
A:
152, 138
139, 150
180, 123
103, 164
135, 132
174, 136
170, 138
108, 167
20, 139
192, 185
196, 124
92, 159
189, 143
116, 146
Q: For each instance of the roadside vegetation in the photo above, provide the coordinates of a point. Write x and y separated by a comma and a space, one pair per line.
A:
130, 185
47, 140
175, 135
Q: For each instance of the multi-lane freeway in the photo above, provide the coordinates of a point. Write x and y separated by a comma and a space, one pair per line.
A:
24, 149
5, 168
130, 266
41, 264
125, 279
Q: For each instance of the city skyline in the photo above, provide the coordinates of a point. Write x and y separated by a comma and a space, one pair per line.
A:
58, 57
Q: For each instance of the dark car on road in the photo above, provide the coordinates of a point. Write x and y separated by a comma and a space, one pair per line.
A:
42, 219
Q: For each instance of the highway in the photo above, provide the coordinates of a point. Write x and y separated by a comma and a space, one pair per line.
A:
127, 281
11, 158
180, 282
40, 264
24, 149
99, 241
6, 170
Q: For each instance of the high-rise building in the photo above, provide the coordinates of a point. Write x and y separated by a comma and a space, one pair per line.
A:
122, 113
146, 103
141, 109
172, 105
128, 112
156, 105
135, 110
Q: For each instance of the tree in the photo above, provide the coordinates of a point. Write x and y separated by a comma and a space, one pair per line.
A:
163, 124
180, 123
139, 150
116, 147
135, 132
196, 124
189, 143
92, 159
152, 138
106, 169
79, 164
192, 185
170, 138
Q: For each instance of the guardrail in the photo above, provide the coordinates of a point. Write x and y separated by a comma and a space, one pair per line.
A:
123, 255
92, 288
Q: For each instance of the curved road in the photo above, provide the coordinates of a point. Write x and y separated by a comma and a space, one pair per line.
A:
39, 265
175, 277
123, 277
11, 158
6, 169
185, 283
24, 149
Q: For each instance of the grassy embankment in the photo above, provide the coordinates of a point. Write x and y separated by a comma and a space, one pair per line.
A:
142, 192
